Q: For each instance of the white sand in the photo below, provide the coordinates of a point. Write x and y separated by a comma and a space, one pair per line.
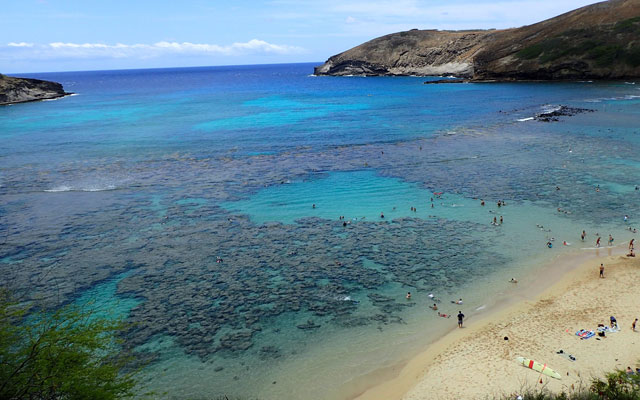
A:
477, 363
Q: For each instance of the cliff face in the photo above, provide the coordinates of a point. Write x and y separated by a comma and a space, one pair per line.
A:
20, 90
414, 52
601, 41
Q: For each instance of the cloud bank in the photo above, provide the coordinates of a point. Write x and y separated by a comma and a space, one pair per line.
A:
141, 51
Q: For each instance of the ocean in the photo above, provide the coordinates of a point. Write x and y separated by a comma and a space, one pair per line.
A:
261, 226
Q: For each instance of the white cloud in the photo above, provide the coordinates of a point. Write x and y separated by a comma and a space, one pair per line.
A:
21, 44
142, 51
350, 20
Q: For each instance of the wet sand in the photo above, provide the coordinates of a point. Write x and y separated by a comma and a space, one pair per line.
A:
567, 295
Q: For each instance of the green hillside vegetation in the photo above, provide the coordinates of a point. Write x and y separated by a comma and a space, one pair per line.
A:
602, 46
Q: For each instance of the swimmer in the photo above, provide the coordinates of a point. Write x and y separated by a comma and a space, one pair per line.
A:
501, 220
313, 206
549, 245
444, 315
381, 215
434, 307
566, 243
408, 295
482, 202
513, 280
457, 302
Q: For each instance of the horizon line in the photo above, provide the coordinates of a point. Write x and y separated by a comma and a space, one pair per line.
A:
13, 74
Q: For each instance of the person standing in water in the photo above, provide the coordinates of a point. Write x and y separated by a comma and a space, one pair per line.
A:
631, 244
610, 240
584, 234
598, 242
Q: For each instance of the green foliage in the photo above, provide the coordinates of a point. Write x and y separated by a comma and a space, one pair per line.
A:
616, 386
627, 26
65, 354
632, 56
605, 55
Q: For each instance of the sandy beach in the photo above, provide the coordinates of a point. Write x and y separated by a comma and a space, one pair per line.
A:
476, 362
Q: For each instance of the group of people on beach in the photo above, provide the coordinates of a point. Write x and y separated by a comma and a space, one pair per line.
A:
434, 307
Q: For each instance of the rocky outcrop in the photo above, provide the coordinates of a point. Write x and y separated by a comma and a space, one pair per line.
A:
600, 41
416, 52
20, 90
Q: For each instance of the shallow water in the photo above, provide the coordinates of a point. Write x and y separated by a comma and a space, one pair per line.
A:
132, 191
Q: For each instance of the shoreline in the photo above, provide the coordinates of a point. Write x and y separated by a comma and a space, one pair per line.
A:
411, 378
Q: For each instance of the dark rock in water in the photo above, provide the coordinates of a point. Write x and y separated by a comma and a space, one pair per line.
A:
562, 111
308, 325
270, 352
21, 90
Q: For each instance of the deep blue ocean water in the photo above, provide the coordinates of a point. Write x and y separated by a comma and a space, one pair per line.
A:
183, 200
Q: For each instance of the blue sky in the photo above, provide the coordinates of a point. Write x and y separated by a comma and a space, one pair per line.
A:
66, 35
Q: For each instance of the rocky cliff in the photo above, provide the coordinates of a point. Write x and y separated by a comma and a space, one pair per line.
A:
600, 41
20, 90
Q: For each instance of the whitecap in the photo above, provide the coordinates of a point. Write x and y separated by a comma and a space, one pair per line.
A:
65, 188
526, 119
548, 108
59, 189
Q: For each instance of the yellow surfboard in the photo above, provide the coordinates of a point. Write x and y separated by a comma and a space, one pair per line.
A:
536, 366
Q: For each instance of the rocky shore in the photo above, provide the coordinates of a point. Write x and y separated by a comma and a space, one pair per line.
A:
21, 90
593, 42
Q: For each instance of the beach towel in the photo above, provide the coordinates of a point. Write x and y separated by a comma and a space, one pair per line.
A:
585, 334
569, 357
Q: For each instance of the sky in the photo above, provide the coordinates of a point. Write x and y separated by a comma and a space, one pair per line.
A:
75, 35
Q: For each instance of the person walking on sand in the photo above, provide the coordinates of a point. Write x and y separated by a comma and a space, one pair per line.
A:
460, 318
633, 324
601, 270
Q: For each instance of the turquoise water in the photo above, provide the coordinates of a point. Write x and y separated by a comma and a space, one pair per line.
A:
183, 200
